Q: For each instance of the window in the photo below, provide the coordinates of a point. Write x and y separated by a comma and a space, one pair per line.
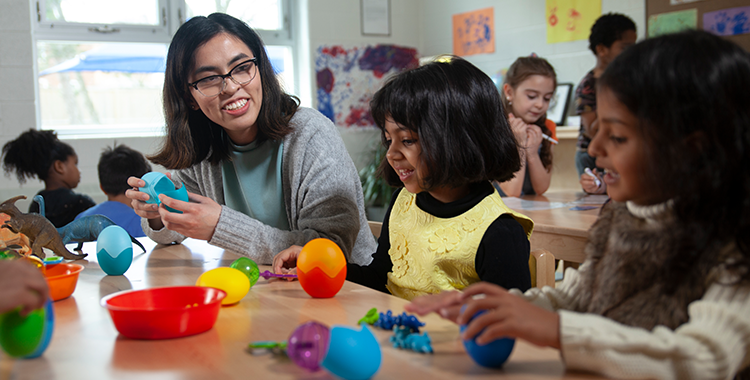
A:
100, 63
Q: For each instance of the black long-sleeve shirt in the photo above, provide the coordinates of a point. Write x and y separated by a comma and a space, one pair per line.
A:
502, 256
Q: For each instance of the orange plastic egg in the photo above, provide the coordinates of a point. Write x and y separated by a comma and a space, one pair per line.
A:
321, 268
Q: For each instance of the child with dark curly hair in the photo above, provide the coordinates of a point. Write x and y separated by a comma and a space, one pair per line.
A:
42, 155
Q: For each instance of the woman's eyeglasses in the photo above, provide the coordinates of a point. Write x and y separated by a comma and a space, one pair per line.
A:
214, 85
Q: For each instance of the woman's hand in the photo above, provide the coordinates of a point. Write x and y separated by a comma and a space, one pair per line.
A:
23, 285
285, 262
198, 219
139, 198
507, 316
533, 139
519, 127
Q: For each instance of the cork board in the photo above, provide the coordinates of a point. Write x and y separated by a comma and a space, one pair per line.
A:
655, 7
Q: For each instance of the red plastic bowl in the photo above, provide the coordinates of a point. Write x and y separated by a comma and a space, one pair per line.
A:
164, 313
62, 279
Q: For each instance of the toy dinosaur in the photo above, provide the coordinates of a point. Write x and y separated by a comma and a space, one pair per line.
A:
83, 229
40, 231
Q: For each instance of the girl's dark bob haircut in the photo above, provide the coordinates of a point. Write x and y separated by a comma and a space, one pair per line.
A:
689, 92
456, 111
191, 136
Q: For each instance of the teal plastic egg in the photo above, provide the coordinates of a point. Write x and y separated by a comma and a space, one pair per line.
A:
492, 355
114, 250
248, 267
158, 183
28, 336
352, 354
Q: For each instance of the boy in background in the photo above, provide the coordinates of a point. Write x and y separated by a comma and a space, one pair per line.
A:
115, 166
610, 35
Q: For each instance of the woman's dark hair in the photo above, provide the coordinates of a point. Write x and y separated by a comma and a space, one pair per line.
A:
689, 92
609, 28
519, 71
117, 165
456, 111
191, 136
33, 153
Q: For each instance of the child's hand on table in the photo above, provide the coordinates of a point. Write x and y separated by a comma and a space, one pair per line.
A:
506, 316
285, 262
23, 285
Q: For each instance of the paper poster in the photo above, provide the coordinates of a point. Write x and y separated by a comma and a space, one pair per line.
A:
571, 20
727, 22
348, 77
665, 23
474, 32
678, 2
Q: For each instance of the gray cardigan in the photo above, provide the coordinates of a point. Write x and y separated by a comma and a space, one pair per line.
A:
322, 194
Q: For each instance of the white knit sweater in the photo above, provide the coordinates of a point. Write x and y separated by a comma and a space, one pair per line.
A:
713, 344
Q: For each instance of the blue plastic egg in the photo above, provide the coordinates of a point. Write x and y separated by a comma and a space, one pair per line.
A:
352, 354
28, 336
158, 183
492, 355
114, 250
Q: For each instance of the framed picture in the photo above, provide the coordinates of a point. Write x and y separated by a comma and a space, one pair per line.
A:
558, 105
376, 17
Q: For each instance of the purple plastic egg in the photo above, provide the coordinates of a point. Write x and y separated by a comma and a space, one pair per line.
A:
308, 345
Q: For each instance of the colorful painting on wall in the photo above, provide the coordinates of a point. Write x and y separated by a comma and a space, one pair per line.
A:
728, 22
672, 22
571, 20
474, 32
348, 77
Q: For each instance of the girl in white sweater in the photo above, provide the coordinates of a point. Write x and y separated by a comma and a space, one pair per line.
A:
665, 289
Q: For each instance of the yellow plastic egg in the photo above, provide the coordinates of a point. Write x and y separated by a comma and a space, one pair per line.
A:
230, 280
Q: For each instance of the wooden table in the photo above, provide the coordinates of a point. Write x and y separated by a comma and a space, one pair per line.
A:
562, 231
85, 344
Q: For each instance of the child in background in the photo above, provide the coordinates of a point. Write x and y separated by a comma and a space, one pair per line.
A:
665, 289
610, 35
527, 89
41, 154
23, 285
115, 167
447, 138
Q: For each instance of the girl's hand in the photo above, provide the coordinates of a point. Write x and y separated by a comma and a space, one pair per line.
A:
588, 183
23, 285
533, 138
507, 316
198, 219
285, 262
447, 304
518, 126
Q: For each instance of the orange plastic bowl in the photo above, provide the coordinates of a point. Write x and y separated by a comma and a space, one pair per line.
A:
62, 279
164, 313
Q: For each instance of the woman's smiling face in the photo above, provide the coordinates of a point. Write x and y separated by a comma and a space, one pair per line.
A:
236, 108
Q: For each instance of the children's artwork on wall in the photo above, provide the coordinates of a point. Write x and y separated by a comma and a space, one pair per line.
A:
672, 22
728, 22
677, 2
571, 20
348, 77
474, 32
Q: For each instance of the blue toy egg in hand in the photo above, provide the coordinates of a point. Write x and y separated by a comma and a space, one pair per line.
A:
492, 355
158, 183
114, 250
352, 354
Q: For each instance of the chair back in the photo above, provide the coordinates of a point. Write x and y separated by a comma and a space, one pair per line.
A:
542, 268
375, 227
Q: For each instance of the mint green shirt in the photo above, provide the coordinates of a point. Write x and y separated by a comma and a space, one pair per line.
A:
252, 182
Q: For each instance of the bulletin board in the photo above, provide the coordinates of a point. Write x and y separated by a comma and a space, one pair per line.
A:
656, 7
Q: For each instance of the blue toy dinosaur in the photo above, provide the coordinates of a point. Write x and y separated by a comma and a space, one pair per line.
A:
83, 229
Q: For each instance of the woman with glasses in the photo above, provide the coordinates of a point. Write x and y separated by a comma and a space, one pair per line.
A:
261, 172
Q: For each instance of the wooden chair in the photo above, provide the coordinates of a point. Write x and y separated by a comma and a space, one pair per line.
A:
375, 227
542, 268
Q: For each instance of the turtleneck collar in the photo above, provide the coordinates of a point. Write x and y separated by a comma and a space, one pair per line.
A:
650, 213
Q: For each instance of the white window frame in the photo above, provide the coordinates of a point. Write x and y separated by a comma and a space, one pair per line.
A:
172, 16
